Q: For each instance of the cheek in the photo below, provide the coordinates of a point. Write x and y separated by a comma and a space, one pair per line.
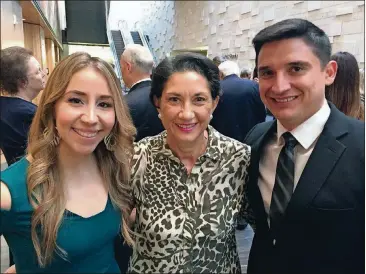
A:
64, 120
108, 119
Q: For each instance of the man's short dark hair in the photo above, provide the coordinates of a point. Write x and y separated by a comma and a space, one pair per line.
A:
312, 35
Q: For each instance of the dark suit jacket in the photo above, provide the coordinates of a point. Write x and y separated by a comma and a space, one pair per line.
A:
144, 114
324, 225
239, 109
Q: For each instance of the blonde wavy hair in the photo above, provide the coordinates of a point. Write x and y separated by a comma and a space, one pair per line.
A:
45, 191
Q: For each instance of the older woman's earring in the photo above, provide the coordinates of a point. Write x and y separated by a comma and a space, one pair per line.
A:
211, 117
109, 142
159, 115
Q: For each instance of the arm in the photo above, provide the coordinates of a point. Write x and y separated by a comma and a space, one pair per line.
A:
11, 269
5, 197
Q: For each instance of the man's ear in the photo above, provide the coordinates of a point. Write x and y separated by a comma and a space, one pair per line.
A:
330, 72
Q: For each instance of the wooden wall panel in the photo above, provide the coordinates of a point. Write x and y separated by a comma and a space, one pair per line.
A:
34, 40
50, 55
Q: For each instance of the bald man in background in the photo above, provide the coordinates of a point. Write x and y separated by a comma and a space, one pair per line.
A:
136, 65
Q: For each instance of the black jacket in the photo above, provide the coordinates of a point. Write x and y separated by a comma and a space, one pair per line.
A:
239, 109
324, 225
143, 112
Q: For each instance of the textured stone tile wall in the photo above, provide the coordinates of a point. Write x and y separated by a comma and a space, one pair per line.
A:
229, 26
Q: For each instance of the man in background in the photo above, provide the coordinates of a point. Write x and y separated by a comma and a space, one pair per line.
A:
136, 65
240, 107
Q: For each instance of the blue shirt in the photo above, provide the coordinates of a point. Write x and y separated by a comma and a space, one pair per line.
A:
15, 119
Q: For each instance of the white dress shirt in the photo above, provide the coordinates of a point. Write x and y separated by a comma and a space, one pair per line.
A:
306, 134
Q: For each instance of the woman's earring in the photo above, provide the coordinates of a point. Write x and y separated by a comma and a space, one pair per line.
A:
159, 115
109, 142
211, 117
56, 139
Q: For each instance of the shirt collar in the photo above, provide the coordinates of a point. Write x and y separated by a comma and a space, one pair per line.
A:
212, 151
142, 80
307, 132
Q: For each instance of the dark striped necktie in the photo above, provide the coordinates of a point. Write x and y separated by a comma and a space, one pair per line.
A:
284, 181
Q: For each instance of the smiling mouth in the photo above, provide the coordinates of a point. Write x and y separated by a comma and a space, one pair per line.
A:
284, 100
89, 134
186, 126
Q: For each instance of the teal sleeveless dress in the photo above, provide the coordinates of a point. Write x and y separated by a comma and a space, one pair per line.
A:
87, 241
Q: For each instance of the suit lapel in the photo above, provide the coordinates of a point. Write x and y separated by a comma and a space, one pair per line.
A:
255, 194
323, 159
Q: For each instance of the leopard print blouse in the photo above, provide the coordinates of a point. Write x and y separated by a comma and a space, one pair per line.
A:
185, 223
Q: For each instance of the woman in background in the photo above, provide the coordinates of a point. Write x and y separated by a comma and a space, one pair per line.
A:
62, 205
344, 93
21, 80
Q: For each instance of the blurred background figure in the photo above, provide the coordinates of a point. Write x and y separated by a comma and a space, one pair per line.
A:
362, 86
137, 65
245, 73
21, 79
240, 107
344, 93
218, 60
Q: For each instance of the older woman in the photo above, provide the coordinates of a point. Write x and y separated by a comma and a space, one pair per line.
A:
21, 79
188, 181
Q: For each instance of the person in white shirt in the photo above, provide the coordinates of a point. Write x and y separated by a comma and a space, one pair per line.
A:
307, 186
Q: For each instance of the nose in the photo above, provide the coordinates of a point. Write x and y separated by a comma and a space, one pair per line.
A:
90, 116
281, 83
186, 112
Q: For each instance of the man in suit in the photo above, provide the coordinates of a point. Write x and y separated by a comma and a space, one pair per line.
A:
240, 107
307, 174
136, 65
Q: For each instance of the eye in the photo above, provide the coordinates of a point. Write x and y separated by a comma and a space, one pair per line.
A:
173, 99
265, 73
296, 69
74, 100
200, 99
105, 105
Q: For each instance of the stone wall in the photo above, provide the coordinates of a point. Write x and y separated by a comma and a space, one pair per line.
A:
229, 26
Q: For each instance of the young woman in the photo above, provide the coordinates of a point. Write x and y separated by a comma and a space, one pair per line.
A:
62, 206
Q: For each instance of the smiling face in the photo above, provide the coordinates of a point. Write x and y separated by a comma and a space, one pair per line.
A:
185, 106
292, 81
85, 114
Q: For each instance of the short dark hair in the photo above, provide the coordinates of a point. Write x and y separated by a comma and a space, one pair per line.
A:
181, 63
245, 73
344, 93
14, 68
218, 60
312, 35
